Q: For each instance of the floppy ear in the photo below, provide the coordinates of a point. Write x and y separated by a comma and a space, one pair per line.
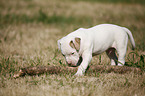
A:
75, 44
59, 44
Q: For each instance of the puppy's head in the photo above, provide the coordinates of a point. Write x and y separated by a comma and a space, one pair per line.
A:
70, 50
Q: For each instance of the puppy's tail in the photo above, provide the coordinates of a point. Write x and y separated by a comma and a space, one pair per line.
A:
130, 37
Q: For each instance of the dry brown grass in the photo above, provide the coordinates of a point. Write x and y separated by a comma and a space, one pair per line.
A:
32, 42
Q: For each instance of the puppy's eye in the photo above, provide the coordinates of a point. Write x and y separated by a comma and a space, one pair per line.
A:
72, 53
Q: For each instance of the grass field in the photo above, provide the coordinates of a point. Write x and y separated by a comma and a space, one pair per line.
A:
29, 30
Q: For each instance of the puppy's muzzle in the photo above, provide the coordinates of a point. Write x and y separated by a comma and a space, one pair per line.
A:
75, 65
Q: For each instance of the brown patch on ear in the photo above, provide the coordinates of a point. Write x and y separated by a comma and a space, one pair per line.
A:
76, 44
72, 44
78, 40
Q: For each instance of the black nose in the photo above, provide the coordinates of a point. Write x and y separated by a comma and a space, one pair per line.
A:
69, 64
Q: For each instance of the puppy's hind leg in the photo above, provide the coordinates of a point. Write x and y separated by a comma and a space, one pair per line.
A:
111, 54
121, 56
121, 50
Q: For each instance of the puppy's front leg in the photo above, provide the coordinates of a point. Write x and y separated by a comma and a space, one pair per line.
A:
87, 56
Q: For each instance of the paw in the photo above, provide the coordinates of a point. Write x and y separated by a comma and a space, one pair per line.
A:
119, 64
113, 63
79, 73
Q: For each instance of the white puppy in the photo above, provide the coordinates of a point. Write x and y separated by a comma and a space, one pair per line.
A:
79, 46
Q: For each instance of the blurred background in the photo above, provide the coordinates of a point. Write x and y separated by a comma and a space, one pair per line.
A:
29, 30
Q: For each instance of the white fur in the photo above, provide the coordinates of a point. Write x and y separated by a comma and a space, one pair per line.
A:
95, 40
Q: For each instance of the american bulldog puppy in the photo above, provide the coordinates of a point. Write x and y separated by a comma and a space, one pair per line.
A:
79, 46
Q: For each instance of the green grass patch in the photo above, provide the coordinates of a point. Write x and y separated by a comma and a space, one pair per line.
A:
136, 60
40, 17
7, 66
